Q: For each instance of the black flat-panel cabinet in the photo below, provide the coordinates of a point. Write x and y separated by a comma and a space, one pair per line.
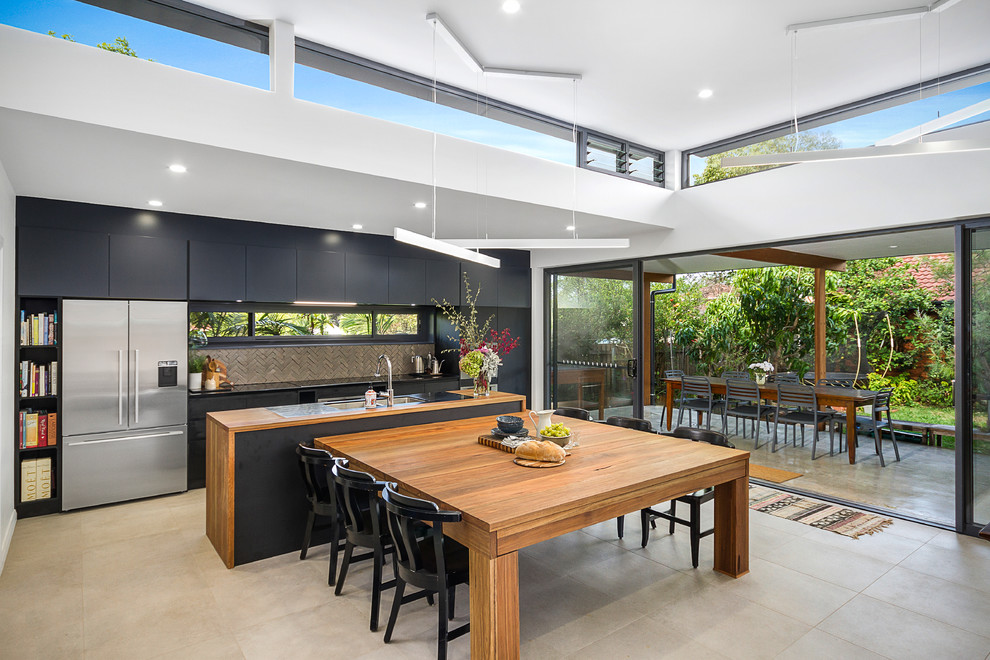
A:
443, 281
366, 278
320, 276
147, 267
62, 262
513, 287
216, 271
407, 281
484, 284
270, 275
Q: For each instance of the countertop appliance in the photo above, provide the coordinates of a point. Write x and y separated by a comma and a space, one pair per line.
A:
418, 367
123, 400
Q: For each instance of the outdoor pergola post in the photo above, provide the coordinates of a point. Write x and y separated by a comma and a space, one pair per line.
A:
819, 324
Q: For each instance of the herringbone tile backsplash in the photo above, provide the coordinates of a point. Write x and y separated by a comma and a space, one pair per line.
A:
278, 364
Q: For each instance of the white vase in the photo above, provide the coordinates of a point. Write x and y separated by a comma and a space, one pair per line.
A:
761, 378
196, 381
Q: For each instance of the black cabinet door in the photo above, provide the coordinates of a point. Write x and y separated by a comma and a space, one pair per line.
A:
216, 271
484, 284
147, 267
270, 275
443, 281
320, 276
513, 287
62, 262
407, 281
513, 375
366, 278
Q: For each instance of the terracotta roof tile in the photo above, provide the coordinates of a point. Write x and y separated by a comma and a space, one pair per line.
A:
921, 269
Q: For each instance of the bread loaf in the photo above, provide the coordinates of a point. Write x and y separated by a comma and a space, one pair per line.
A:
541, 450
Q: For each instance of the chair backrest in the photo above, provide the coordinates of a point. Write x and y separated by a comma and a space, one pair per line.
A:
835, 381
786, 378
739, 375
314, 466
738, 389
634, 423
673, 373
406, 518
696, 386
576, 413
703, 435
357, 493
801, 396
881, 400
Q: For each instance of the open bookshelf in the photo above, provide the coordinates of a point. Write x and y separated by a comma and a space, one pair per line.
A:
37, 432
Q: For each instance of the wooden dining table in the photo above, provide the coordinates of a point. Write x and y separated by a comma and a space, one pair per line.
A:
506, 507
847, 398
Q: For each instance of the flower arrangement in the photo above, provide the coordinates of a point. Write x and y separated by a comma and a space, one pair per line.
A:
480, 347
765, 367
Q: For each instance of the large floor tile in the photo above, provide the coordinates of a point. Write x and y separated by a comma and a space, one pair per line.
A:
823, 561
222, 647
899, 633
888, 547
961, 560
819, 645
646, 638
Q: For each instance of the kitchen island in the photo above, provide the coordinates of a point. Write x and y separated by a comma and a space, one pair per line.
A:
255, 503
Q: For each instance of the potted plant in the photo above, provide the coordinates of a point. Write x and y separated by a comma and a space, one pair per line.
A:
760, 371
197, 363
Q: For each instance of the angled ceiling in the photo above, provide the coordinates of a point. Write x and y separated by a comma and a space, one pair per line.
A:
643, 62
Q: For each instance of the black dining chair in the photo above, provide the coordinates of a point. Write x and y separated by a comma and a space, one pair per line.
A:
797, 405
314, 466
696, 396
739, 375
636, 424
743, 401
694, 500
574, 413
787, 378
881, 406
364, 527
426, 559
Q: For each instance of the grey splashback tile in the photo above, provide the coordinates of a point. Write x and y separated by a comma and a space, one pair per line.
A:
274, 364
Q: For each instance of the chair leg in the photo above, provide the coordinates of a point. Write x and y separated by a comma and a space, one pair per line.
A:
451, 592
773, 442
893, 438
620, 525
814, 441
673, 512
334, 541
376, 588
307, 534
400, 586
756, 431
645, 519
345, 562
442, 627
878, 444
695, 532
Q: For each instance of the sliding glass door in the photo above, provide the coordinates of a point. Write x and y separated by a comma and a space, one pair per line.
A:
595, 344
974, 465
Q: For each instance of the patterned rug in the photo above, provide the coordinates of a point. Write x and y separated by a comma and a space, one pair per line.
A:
832, 517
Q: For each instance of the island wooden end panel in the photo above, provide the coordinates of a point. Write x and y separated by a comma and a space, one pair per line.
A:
494, 597
220, 484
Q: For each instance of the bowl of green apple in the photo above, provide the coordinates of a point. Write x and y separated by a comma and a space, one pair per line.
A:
557, 433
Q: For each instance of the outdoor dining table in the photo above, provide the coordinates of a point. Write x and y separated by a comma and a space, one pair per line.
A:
847, 398
505, 507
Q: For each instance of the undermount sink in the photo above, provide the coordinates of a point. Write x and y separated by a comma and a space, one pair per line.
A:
354, 404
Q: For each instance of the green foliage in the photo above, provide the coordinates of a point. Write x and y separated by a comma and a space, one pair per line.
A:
118, 45
197, 363
593, 313
471, 363
931, 392
219, 324
807, 141
276, 324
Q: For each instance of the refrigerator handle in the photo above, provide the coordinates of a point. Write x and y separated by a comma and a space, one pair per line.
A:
137, 386
120, 388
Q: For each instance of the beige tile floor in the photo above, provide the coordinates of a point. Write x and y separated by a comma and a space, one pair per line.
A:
140, 580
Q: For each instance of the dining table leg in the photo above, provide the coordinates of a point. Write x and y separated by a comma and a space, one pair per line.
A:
494, 596
732, 527
851, 431
670, 405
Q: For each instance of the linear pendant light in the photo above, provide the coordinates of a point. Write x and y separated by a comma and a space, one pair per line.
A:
444, 247
539, 243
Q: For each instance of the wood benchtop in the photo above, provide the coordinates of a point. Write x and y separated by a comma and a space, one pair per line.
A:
255, 419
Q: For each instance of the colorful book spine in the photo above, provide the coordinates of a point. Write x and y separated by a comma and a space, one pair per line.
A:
31, 430
52, 429
42, 430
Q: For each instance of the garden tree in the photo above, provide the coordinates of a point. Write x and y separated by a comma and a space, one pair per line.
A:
219, 324
807, 141
719, 338
275, 324
675, 310
119, 45
593, 312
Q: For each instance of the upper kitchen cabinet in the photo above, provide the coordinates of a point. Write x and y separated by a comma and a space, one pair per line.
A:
513, 287
147, 267
407, 281
443, 281
366, 278
216, 271
484, 284
271, 274
320, 276
62, 262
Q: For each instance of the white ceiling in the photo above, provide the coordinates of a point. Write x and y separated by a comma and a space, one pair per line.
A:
643, 61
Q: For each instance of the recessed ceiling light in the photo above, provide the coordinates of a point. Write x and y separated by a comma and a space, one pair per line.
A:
420, 205
177, 168
569, 228
511, 6
154, 202
705, 94
357, 226
892, 247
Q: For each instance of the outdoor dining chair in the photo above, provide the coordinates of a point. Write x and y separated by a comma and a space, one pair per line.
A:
797, 405
881, 407
743, 401
696, 396
739, 375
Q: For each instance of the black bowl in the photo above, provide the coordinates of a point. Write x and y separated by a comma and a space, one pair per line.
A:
509, 423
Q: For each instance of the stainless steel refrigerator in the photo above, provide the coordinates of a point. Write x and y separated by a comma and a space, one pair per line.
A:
123, 400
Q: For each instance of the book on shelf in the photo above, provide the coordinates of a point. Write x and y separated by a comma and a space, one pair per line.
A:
36, 479
38, 379
37, 429
39, 329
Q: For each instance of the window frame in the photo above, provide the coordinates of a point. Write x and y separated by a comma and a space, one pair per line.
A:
622, 158
425, 335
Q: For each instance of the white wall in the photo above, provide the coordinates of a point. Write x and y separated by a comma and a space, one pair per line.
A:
7, 514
